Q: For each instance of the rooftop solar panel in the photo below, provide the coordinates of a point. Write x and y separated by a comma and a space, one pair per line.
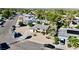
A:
73, 32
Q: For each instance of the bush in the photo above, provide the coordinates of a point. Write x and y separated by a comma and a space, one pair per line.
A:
30, 24
43, 33
35, 35
77, 27
69, 45
45, 24
74, 42
21, 24
56, 40
38, 22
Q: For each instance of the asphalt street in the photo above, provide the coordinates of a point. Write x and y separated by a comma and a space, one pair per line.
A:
5, 31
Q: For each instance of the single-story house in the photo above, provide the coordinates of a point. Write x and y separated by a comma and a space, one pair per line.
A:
64, 33
40, 28
76, 20
28, 18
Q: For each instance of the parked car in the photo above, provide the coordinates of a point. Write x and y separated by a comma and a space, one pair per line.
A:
62, 42
49, 46
4, 46
16, 35
13, 27
2, 22
28, 37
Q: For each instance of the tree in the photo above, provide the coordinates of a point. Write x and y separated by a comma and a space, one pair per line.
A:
77, 27
40, 13
73, 41
6, 13
70, 15
21, 24
56, 39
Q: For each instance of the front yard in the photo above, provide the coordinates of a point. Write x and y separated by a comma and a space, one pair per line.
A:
36, 37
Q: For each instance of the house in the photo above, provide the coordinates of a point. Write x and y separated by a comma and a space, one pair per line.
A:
74, 22
39, 28
28, 18
64, 33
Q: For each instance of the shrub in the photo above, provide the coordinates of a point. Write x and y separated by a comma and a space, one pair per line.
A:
69, 45
56, 40
30, 24
77, 27
38, 22
45, 24
43, 33
35, 35
21, 24
74, 42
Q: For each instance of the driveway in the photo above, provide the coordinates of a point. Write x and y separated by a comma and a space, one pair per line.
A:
39, 38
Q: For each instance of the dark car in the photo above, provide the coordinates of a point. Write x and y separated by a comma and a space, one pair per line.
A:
13, 28
49, 46
62, 42
28, 37
4, 46
16, 35
2, 22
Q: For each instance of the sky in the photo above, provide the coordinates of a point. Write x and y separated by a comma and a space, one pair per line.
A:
39, 3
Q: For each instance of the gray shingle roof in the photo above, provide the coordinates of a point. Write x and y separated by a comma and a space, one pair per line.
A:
41, 27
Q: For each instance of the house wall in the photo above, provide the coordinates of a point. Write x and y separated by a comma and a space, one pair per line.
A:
62, 34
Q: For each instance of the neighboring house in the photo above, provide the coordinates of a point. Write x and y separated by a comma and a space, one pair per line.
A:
28, 18
74, 22
40, 28
64, 33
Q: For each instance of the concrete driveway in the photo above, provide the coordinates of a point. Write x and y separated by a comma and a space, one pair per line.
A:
39, 38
